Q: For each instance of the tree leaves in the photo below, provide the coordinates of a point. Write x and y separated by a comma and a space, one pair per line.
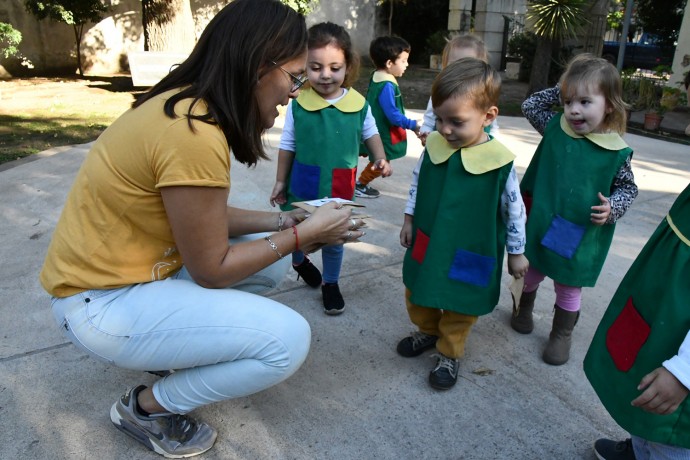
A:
557, 19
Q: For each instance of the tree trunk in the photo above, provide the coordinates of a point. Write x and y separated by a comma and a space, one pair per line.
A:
539, 76
171, 26
78, 33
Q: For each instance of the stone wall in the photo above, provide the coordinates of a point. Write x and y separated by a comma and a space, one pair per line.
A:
488, 22
50, 47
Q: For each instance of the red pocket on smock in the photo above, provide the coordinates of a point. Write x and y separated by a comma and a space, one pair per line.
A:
625, 337
421, 241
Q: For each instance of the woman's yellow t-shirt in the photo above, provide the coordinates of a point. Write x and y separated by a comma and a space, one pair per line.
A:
113, 230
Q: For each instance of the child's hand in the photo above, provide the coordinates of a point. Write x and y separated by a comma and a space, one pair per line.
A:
278, 194
662, 392
422, 137
517, 265
384, 166
406, 232
601, 213
416, 129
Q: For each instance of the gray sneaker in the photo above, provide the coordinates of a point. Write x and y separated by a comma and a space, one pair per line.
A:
364, 191
171, 435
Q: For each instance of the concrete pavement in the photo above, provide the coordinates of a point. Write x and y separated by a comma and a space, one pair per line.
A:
354, 397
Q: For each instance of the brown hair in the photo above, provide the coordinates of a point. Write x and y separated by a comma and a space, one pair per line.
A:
243, 42
588, 71
327, 33
465, 41
470, 78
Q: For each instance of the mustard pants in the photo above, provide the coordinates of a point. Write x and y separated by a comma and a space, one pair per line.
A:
451, 328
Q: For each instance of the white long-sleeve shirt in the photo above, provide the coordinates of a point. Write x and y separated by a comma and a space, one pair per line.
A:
679, 365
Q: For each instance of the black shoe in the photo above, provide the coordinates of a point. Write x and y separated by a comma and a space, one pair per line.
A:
416, 344
608, 449
309, 273
445, 374
365, 191
333, 302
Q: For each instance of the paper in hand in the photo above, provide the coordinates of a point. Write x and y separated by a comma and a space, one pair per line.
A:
311, 205
516, 287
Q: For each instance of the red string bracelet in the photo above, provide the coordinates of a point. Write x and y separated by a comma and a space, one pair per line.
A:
294, 230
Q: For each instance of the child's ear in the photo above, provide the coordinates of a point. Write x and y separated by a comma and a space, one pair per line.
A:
491, 115
389, 64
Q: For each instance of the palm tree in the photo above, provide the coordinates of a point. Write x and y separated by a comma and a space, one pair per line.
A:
553, 21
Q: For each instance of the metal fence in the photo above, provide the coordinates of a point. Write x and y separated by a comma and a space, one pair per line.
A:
512, 25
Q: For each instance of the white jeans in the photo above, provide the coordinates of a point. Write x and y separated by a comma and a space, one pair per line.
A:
648, 450
222, 343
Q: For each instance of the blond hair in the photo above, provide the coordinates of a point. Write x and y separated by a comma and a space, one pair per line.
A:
469, 78
465, 41
588, 71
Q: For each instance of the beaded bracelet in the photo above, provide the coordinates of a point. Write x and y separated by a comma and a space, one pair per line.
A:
274, 247
280, 221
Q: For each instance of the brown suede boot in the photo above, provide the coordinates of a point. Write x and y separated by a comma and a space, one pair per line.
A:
557, 351
521, 321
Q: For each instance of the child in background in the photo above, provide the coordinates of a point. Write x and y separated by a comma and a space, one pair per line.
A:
467, 209
389, 55
319, 146
458, 47
639, 359
578, 184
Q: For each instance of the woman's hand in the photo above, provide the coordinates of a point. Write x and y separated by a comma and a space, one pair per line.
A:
330, 224
278, 194
293, 217
601, 213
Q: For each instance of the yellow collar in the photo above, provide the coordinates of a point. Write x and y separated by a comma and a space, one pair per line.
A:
477, 159
381, 76
311, 101
608, 141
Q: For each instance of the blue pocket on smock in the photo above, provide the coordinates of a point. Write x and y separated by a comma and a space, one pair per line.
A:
471, 268
304, 181
563, 237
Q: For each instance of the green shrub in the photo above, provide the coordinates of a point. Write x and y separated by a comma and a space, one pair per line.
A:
9, 40
523, 45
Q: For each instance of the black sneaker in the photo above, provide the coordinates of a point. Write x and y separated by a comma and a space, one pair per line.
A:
333, 302
364, 191
309, 273
171, 435
416, 344
608, 449
445, 374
